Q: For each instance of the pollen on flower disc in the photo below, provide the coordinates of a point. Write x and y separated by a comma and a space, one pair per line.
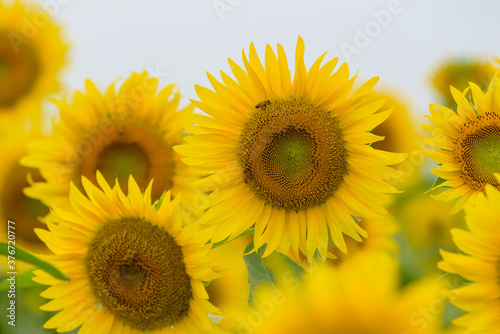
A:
292, 154
137, 272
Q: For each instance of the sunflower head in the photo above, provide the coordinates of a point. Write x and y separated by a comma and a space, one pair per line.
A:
400, 136
380, 231
458, 73
31, 55
477, 262
131, 264
129, 132
469, 140
25, 212
362, 297
289, 157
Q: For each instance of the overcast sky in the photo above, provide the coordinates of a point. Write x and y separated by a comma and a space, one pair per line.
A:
399, 41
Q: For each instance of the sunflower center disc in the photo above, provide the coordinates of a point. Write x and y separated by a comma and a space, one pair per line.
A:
478, 151
137, 271
19, 69
119, 150
292, 154
119, 160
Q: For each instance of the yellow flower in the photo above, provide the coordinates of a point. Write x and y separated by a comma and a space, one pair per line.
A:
361, 298
31, 55
380, 239
477, 263
230, 291
469, 140
131, 268
459, 72
120, 134
400, 136
25, 212
291, 157
427, 222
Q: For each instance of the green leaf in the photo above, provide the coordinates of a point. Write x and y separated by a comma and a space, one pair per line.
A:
220, 243
23, 280
21, 255
436, 183
160, 201
276, 270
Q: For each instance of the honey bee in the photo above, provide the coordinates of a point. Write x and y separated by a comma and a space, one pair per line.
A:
262, 105
130, 255
245, 175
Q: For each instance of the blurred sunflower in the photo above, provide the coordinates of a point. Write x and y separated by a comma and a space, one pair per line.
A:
478, 263
119, 134
230, 291
458, 73
427, 222
291, 157
231, 288
398, 132
132, 268
399, 136
361, 298
380, 239
25, 212
31, 54
469, 142
425, 229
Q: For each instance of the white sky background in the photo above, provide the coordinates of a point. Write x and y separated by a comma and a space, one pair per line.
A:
181, 40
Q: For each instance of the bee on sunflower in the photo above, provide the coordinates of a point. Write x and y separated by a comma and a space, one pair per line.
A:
289, 157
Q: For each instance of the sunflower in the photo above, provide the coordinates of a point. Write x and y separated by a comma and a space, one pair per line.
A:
459, 72
25, 212
131, 268
429, 227
425, 229
380, 239
478, 263
398, 131
31, 54
469, 140
291, 157
231, 288
362, 298
230, 291
129, 132
400, 136
381, 232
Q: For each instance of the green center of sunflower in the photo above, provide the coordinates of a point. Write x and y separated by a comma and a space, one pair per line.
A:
19, 69
119, 160
292, 154
137, 271
478, 151
120, 150
485, 151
